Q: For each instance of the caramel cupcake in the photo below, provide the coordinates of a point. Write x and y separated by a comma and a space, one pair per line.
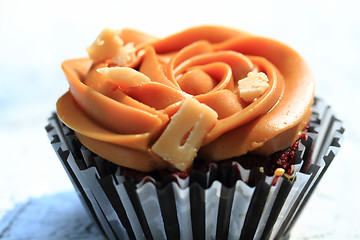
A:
208, 133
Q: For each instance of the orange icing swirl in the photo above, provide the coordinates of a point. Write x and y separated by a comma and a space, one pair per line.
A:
121, 122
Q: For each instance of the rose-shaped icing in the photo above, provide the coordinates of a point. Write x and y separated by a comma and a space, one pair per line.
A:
124, 96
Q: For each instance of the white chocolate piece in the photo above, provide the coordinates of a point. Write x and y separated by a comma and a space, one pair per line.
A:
109, 45
124, 76
125, 55
253, 86
183, 137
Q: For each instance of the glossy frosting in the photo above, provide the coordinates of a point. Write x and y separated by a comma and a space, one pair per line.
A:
121, 119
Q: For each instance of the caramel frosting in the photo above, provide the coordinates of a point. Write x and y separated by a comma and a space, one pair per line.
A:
150, 103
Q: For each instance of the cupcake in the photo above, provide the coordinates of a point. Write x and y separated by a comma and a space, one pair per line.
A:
210, 133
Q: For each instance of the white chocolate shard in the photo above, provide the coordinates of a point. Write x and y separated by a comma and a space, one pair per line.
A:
253, 86
125, 55
124, 76
109, 45
183, 137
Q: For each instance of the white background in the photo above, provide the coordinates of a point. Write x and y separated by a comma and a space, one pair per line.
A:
36, 36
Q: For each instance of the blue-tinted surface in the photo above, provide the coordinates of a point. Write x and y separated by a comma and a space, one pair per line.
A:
58, 216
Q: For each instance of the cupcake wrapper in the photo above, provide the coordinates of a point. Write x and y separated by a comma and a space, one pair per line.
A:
208, 205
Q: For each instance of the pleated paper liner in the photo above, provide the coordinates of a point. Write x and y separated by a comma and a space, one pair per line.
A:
219, 203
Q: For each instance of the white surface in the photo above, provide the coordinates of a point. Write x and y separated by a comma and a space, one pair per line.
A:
36, 36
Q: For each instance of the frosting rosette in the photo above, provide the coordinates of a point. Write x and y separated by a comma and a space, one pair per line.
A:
149, 103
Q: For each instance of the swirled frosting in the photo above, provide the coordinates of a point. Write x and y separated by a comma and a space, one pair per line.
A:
235, 92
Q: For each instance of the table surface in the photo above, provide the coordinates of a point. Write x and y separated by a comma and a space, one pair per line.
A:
36, 36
